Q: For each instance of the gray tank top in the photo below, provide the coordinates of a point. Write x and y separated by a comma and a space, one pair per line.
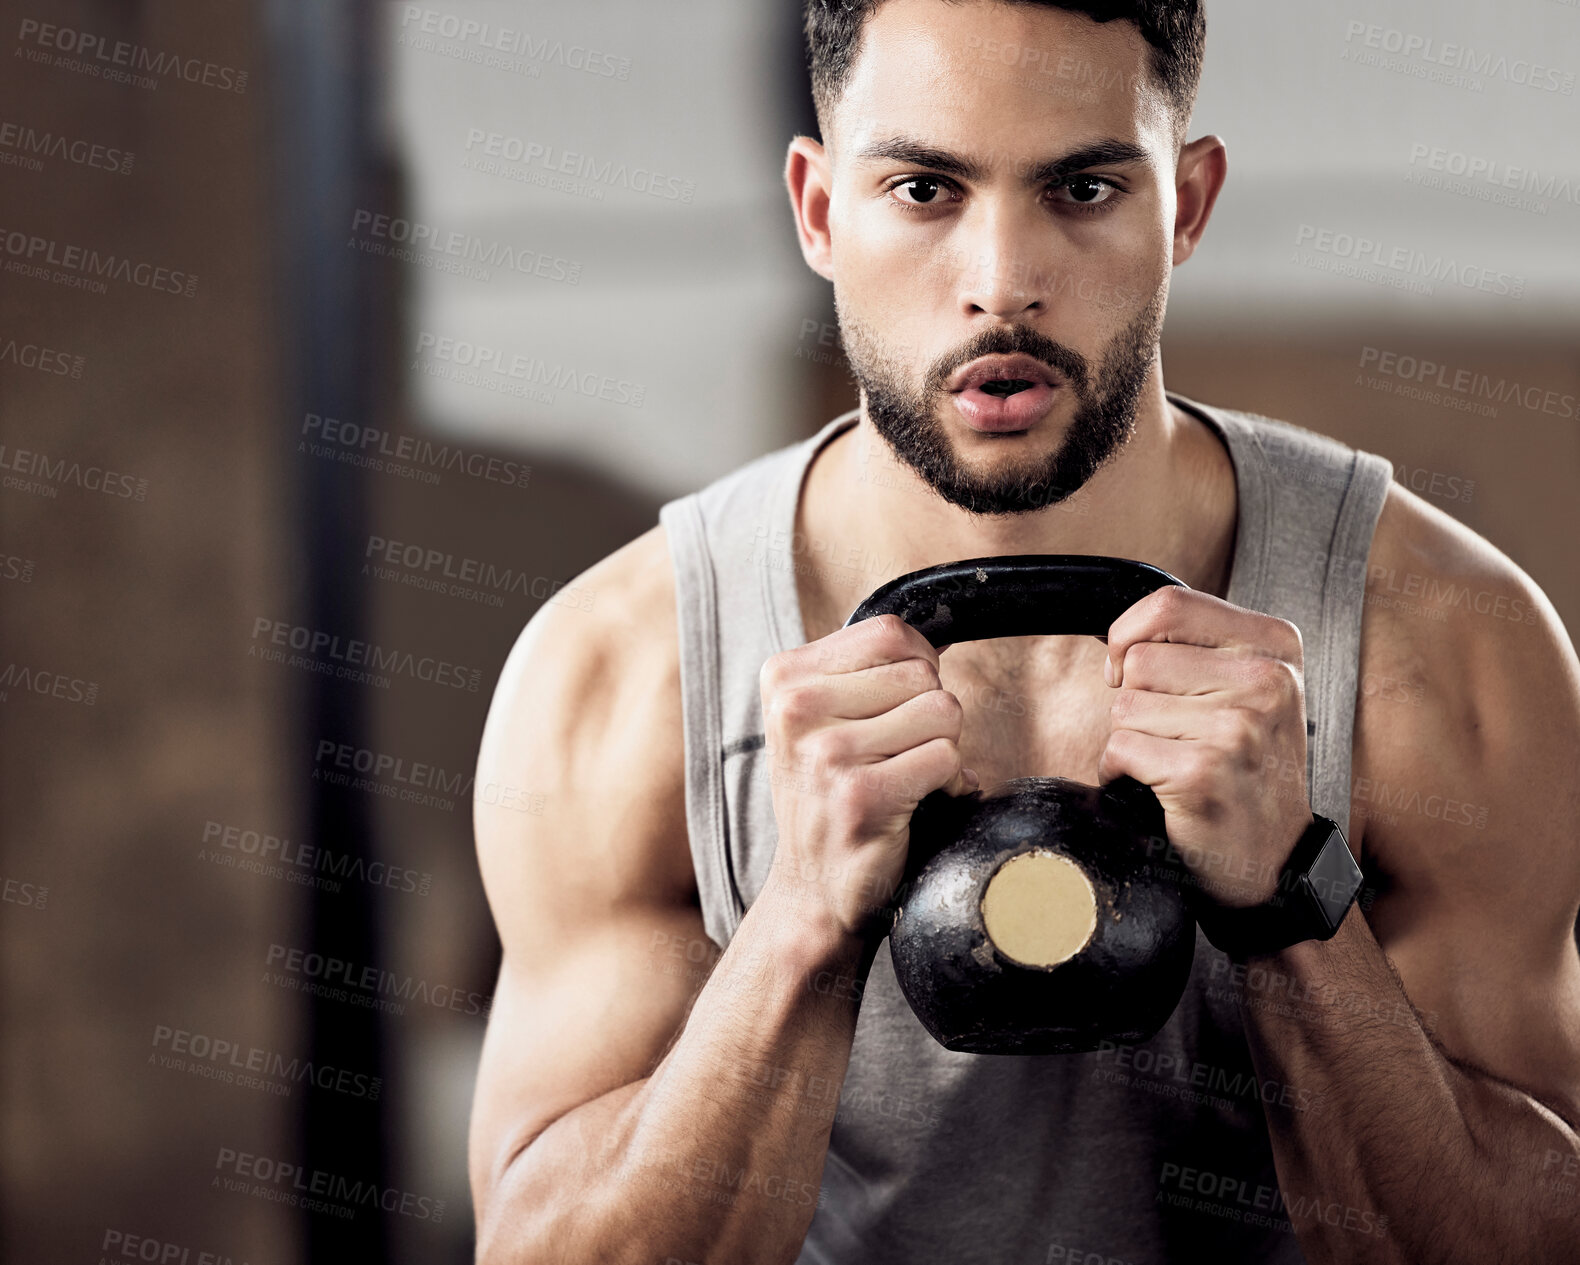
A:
1134, 1155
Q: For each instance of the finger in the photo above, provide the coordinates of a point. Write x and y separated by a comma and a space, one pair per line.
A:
881, 639
1188, 718
1186, 617
935, 765
1170, 668
1154, 761
855, 695
936, 714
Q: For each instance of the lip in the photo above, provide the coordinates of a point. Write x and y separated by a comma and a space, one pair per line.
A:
1004, 414
986, 368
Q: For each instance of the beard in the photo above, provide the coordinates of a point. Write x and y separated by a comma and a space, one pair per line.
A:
1105, 412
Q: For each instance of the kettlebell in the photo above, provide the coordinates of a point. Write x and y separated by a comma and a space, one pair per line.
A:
1043, 915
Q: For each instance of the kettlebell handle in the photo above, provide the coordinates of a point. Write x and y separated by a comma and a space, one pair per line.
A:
1019, 595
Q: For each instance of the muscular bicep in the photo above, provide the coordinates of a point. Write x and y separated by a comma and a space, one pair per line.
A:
591, 888
1466, 781
581, 1020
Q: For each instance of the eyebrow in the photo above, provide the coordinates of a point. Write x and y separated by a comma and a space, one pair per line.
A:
1049, 170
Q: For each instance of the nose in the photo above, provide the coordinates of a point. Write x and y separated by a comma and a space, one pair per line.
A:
995, 276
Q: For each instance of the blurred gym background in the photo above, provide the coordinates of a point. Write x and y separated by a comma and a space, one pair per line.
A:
417, 310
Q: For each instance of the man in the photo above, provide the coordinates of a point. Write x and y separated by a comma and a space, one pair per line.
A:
726, 766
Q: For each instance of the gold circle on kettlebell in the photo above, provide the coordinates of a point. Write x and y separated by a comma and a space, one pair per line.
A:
1040, 909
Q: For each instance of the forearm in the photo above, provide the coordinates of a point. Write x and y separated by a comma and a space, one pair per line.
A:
1423, 1160
718, 1154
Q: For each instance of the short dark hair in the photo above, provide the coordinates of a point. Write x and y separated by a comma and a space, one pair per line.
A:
1175, 29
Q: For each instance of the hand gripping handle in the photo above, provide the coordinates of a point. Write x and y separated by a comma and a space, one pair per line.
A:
1025, 595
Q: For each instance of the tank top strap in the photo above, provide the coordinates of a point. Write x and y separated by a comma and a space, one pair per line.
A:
733, 548
1308, 506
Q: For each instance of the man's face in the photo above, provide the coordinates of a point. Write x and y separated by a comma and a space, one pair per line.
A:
1002, 184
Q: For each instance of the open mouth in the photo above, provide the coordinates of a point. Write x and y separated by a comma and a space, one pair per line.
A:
1002, 387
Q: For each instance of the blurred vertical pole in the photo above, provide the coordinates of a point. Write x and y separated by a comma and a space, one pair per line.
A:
321, 90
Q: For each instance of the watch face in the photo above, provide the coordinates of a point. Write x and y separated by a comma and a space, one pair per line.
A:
1334, 878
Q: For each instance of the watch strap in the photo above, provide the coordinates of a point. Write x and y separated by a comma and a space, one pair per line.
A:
1316, 887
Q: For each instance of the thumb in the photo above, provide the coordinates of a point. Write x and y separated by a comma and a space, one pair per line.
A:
963, 782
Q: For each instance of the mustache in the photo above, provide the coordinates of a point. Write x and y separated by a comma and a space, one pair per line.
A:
1009, 340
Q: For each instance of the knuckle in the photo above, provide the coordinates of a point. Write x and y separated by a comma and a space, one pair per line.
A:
1244, 727
794, 705
947, 705
1294, 644
1169, 601
774, 673
1272, 682
825, 748
922, 674
1123, 742
890, 632
1141, 656
940, 761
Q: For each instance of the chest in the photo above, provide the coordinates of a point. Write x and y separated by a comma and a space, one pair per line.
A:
1034, 706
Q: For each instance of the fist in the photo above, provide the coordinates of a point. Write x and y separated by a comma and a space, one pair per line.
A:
858, 731
1209, 711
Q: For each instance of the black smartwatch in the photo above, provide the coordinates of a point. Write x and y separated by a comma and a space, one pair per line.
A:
1315, 890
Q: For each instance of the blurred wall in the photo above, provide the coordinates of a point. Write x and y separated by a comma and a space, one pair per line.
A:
146, 490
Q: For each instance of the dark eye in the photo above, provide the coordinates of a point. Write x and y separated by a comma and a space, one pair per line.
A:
923, 190
1085, 190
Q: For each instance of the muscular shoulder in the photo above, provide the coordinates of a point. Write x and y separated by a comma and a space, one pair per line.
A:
1468, 716
585, 729
1464, 788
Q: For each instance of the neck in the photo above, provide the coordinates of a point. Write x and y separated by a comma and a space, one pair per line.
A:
1167, 498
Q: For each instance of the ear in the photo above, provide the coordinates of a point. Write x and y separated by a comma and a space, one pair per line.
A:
807, 178
1203, 166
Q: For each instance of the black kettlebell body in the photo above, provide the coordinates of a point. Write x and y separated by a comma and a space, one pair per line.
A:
1043, 915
